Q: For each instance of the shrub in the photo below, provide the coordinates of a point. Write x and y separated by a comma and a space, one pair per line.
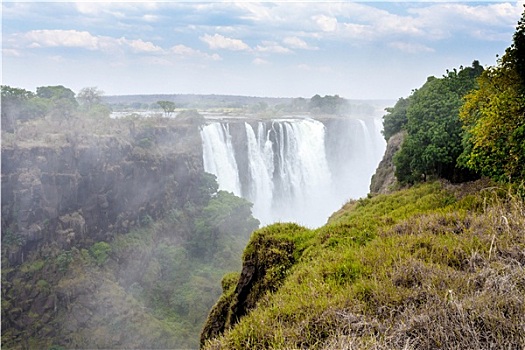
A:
100, 252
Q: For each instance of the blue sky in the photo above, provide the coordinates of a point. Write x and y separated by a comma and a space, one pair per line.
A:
358, 50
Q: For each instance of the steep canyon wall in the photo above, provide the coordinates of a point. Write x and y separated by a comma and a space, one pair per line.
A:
85, 187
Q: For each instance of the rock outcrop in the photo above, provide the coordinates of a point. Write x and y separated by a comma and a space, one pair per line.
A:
384, 179
66, 191
88, 187
269, 255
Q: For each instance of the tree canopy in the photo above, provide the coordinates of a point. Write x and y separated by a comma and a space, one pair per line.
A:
434, 131
326, 105
55, 92
167, 106
16, 105
58, 102
89, 97
494, 116
470, 122
396, 118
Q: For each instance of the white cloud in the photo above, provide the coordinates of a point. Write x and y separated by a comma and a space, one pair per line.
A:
188, 52
366, 22
258, 12
62, 38
326, 23
218, 41
89, 8
259, 61
272, 47
80, 39
297, 43
411, 48
359, 31
442, 21
11, 52
488, 14
117, 9
150, 18
143, 46
184, 50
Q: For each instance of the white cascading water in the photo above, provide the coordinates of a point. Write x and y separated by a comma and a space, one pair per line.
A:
293, 171
260, 159
219, 157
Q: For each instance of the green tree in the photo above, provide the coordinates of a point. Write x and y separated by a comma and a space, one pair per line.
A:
60, 101
516, 52
63, 260
167, 106
434, 133
327, 105
494, 116
396, 118
14, 105
100, 252
90, 97
226, 215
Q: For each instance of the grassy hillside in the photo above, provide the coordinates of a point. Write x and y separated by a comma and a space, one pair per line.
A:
435, 266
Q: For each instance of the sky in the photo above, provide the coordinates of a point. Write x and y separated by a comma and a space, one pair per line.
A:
357, 50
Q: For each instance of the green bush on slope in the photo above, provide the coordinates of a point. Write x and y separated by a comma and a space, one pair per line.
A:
434, 266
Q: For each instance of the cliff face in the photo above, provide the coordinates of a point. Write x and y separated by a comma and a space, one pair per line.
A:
83, 188
69, 188
269, 255
384, 178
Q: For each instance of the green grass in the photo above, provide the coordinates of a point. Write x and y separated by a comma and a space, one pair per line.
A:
434, 266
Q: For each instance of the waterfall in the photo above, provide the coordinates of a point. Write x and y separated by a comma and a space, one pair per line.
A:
219, 156
261, 165
293, 169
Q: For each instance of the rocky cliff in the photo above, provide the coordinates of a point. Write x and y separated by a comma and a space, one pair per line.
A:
269, 255
70, 188
384, 178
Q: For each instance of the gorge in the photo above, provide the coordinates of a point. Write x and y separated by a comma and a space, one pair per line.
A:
293, 168
116, 221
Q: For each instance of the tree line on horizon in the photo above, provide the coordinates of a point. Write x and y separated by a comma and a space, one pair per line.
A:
20, 105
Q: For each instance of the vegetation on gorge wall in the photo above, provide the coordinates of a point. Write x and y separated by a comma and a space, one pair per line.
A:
149, 288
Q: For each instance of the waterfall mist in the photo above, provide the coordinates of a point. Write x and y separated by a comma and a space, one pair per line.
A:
293, 169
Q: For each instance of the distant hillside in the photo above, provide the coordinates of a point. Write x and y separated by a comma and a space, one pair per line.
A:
242, 102
196, 101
